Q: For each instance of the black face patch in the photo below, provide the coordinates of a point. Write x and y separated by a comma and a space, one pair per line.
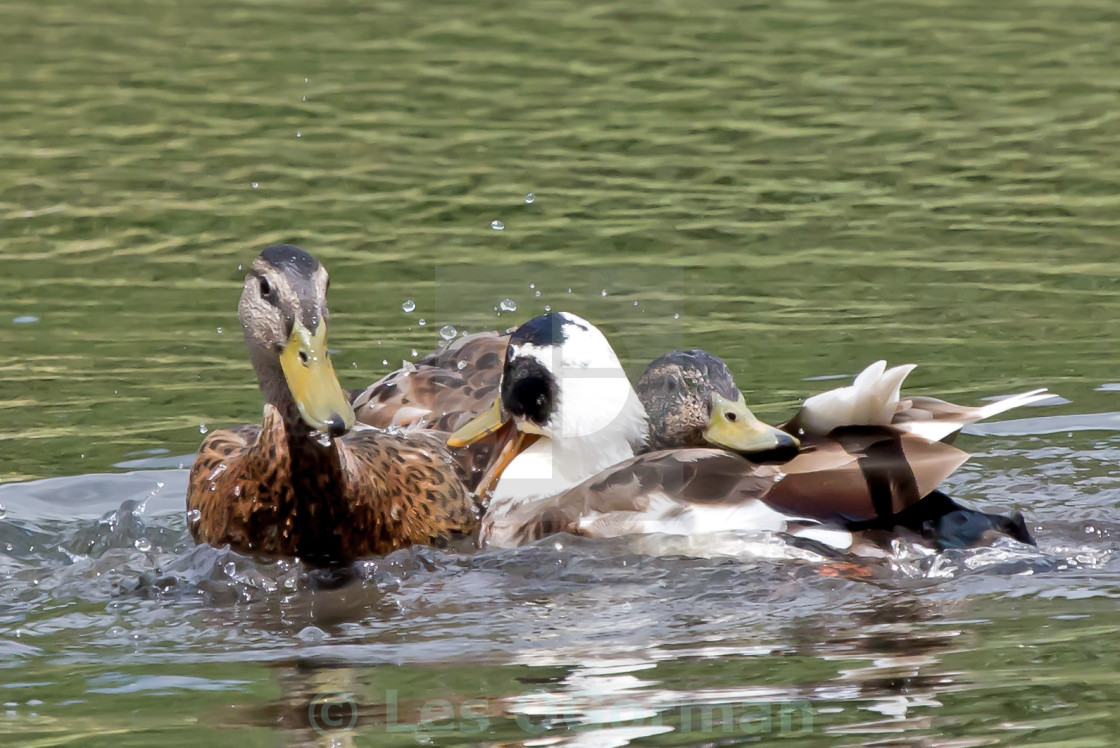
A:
291, 259
529, 390
545, 330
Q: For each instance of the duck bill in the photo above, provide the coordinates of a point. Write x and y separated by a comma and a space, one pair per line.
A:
313, 383
512, 443
485, 423
515, 443
732, 426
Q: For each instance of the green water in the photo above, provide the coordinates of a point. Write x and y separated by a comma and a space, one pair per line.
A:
800, 187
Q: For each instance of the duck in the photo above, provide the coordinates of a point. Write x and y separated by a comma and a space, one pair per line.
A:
688, 395
709, 465
309, 481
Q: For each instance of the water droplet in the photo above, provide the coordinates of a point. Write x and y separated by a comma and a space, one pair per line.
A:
311, 634
409, 306
508, 305
305, 80
237, 490
547, 308
676, 316
532, 285
537, 294
603, 292
194, 516
255, 186
414, 353
25, 319
384, 362
219, 331
143, 545
323, 440
635, 303
530, 198
423, 322
303, 98
3, 512
461, 365
569, 290
353, 364
239, 267
230, 568
497, 225
299, 134
447, 332
202, 428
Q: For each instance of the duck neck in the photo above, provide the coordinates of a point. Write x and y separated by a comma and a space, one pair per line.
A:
311, 457
274, 387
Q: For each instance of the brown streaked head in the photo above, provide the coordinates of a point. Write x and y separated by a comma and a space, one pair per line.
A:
692, 401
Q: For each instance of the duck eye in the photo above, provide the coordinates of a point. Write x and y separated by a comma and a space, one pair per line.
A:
671, 384
731, 416
303, 357
265, 288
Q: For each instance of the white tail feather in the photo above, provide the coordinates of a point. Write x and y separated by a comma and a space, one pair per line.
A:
1013, 401
872, 400
945, 425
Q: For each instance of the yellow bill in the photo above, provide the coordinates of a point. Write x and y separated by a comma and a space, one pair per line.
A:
512, 442
733, 426
484, 424
313, 383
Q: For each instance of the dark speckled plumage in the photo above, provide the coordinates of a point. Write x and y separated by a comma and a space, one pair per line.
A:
439, 395
262, 489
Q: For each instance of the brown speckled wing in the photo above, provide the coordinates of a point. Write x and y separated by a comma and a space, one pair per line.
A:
414, 479
436, 393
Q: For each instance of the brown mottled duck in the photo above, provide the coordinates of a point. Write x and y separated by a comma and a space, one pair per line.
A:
306, 482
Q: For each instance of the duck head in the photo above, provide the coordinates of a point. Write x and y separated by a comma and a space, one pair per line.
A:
692, 401
561, 381
283, 312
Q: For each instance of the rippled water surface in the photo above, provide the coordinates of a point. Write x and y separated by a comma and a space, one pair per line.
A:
801, 187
